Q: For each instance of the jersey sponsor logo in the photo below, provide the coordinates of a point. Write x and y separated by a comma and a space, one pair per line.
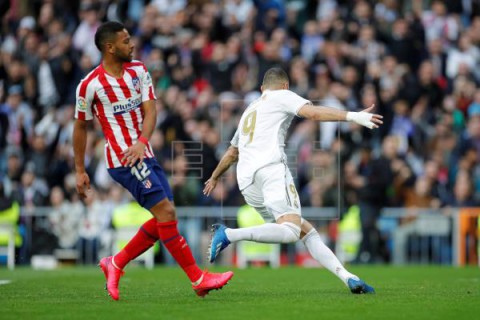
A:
81, 104
136, 84
126, 106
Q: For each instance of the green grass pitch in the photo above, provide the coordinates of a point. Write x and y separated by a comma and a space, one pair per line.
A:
419, 292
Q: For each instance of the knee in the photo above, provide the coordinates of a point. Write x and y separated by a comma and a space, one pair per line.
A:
294, 232
168, 215
164, 212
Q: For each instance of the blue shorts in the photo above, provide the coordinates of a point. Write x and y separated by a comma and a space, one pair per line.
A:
146, 182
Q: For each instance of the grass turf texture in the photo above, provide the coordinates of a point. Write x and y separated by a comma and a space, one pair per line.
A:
285, 293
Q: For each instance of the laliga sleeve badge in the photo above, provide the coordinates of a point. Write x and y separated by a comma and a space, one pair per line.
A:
81, 104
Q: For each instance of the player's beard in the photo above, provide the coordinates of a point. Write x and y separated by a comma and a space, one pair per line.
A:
123, 57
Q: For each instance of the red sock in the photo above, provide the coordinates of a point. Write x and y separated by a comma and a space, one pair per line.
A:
179, 249
146, 236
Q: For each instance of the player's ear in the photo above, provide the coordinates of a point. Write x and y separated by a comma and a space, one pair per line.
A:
261, 88
109, 47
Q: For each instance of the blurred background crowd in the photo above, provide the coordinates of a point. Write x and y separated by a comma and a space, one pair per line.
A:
418, 61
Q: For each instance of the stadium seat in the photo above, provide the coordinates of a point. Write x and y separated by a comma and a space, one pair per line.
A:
434, 226
126, 221
9, 237
248, 251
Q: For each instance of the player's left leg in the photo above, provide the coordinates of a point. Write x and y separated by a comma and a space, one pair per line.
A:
150, 188
166, 220
112, 267
145, 238
320, 252
202, 281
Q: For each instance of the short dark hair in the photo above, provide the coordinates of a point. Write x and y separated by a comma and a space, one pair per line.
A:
275, 76
106, 32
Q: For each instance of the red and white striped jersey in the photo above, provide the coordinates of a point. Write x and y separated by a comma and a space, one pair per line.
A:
117, 105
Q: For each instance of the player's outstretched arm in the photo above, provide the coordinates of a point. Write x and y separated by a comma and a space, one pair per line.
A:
79, 146
229, 158
319, 113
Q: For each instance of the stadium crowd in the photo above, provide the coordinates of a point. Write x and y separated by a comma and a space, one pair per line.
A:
418, 61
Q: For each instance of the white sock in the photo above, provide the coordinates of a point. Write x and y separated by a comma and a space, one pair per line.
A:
320, 252
267, 233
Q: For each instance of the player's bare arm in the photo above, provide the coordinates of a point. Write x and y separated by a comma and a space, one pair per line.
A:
79, 146
319, 113
229, 158
136, 152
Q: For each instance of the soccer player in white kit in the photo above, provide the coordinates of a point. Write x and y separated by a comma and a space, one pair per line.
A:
265, 180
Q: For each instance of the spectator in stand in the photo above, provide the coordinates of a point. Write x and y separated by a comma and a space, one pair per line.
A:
236, 13
439, 24
3, 138
33, 191
438, 58
311, 41
373, 196
12, 175
169, 7
220, 69
48, 93
466, 54
299, 76
420, 196
85, 32
462, 192
20, 118
91, 226
402, 44
65, 219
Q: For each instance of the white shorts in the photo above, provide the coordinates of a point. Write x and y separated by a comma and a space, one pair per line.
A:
273, 193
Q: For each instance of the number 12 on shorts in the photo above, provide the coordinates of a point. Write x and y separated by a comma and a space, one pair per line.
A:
140, 171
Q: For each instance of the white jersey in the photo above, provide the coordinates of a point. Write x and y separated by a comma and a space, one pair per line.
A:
260, 136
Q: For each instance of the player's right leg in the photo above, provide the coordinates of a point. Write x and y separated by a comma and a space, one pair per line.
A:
112, 266
286, 230
112, 276
147, 234
320, 252
271, 190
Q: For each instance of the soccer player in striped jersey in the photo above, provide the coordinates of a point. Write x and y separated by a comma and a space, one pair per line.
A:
265, 180
119, 92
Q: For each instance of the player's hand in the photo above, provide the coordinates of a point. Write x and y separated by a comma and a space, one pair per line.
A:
366, 118
210, 184
83, 184
133, 154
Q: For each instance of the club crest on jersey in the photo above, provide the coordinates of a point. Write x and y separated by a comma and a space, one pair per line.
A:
147, 183
136, 84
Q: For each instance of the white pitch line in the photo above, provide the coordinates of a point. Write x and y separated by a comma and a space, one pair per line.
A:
5, 282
